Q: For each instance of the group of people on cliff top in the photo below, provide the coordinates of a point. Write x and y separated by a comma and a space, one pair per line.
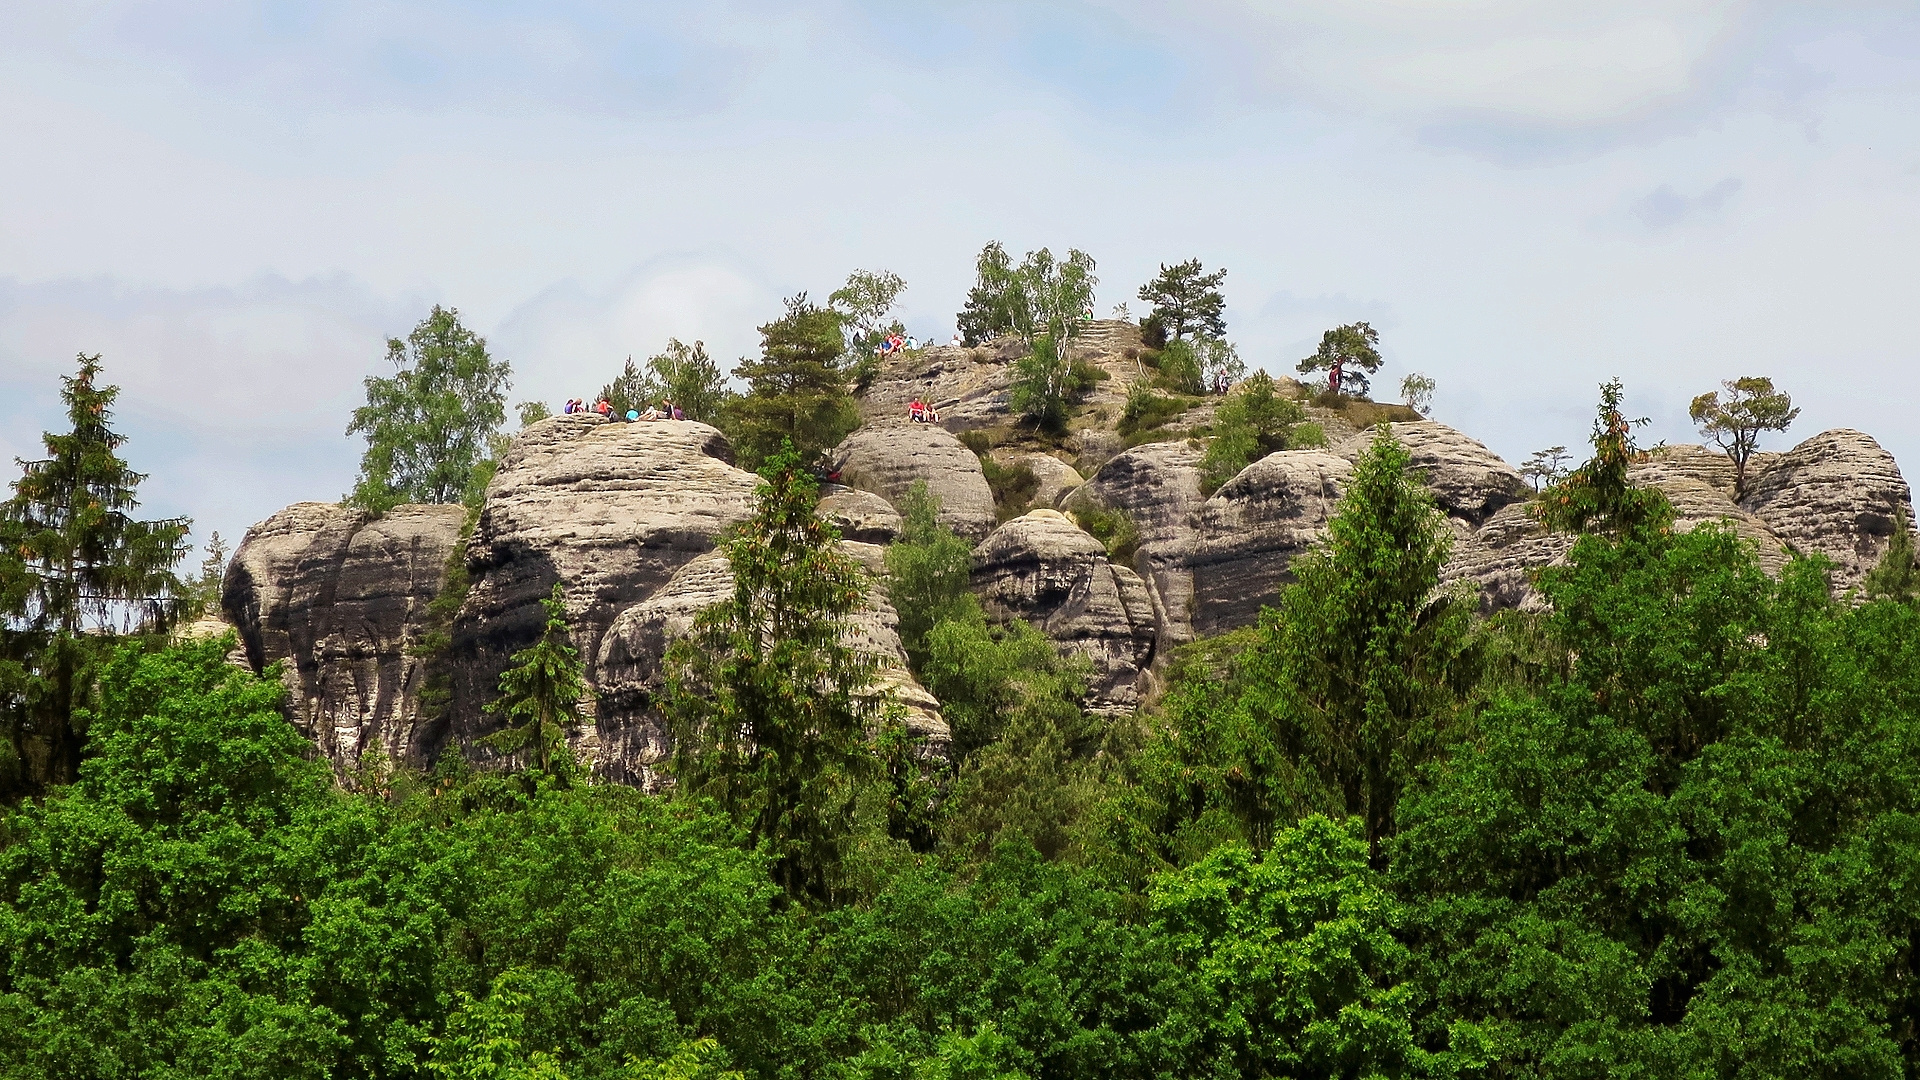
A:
667, 410
921, 411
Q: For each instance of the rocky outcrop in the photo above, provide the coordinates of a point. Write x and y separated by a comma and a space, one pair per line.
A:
1157, 488
1247, 535
1056, 477
1696, 501
613, 510
628, 739
340, 598
1836, 494
1469, 482
887, 460
1043, 569
1499, 558
861, 516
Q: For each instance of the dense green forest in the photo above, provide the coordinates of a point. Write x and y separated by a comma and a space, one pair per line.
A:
1669, 826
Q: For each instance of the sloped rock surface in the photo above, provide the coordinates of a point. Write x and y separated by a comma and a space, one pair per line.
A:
860, 516
1246, 536
1158, 487
611, 509
1499, 559
1468, 481
1696, 501
888, 459
1056, 478
628, 739
341, 598
1837, 494
1043, 569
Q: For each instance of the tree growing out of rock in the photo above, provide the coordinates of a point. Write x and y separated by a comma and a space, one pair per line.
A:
1734, 424
770, 707
430, 427
1545, 467
1186, 301
682, 372
540, 693
78, 572
1416, 389
796, 390
928, 569
865, 302
1598, 497
1252, 423
1348, 354
1043, 296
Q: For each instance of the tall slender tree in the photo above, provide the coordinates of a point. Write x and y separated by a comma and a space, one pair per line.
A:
770, 707
431, 425
83, 571
540, 692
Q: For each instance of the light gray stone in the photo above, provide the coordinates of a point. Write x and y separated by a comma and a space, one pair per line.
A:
887, 459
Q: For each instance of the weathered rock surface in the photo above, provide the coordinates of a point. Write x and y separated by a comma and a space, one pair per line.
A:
341, 599
1044, 569
1246, 535
628, 739
888, 459
611, 509
1157, 486
859, 515
1836, 494
1468, 481
1696, 501
1499, 559
1056, 478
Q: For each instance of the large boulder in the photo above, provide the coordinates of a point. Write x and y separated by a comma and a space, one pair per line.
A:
887, 459
340, 598
861, 516
1470, 483
629, 739
1157, 487
1836, 494
1499, 559
1247, 535
1045, 570
611, 511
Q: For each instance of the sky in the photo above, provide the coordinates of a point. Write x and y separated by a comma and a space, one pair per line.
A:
237, 203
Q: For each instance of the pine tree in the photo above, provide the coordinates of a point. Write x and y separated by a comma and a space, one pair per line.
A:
1348, 354
796, 390
540, 692
1185, 301
1897, 576
770, 708
81, 571
431, 426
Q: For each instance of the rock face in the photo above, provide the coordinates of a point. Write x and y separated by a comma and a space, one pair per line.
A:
611, 509
1056, 477
1836, 494
1469, 482
1246, 536
861, 516
341, 599
886, 460
1044, 569
629, 739
1157, 486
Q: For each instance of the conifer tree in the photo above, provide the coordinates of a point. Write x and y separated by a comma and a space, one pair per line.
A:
1598, 497
1185, 301
1897, 575
1348, 354
770, 708
1751, 408
81, 570
797, 389
540, 691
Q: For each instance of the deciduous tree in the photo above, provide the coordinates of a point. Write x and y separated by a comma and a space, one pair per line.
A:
1752, 406
432, 423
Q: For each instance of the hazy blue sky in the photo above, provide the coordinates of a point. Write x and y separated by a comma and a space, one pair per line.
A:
237, 202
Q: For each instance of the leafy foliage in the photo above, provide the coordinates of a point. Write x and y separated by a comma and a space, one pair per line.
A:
430, 426
1252, 423
927, 571
1348, 354
1897, 575
1545, 467
1752, 406
796, 392
540, 693
681, 373
1185, 300
1416, 389
1598, 497
865, 301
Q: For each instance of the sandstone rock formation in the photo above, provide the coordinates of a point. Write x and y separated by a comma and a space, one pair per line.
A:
1836, 494
1469, 482
888, 459
1157, 487
627, 741
1044, 569
1246, 535
1056, 477
341, 599
859, 515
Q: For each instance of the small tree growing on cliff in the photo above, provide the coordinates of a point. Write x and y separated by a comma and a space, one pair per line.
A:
431, 425
1598, 497
682, 372
797, 389
1897, 576
1348, 354
770, 708
1185, 300
1752, 406
540, 692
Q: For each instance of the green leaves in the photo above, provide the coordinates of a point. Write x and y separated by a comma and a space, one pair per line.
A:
540, 692
796, 390
429, 426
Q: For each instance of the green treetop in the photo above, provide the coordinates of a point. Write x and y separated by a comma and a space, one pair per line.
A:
1598, 497
927, 570
431, 425
1185, 301
1752, 406
770, 707
682, 373
1348, 354
1253, 422
796, 390
866, 301
540, 691
79, 569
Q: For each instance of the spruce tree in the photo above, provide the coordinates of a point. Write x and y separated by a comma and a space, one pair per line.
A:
540, 692
1598, 497
80, 572
797, 389
770, 708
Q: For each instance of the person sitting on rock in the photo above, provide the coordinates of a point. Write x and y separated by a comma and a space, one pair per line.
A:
604, 408
673, 411
632, 415
917, 411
